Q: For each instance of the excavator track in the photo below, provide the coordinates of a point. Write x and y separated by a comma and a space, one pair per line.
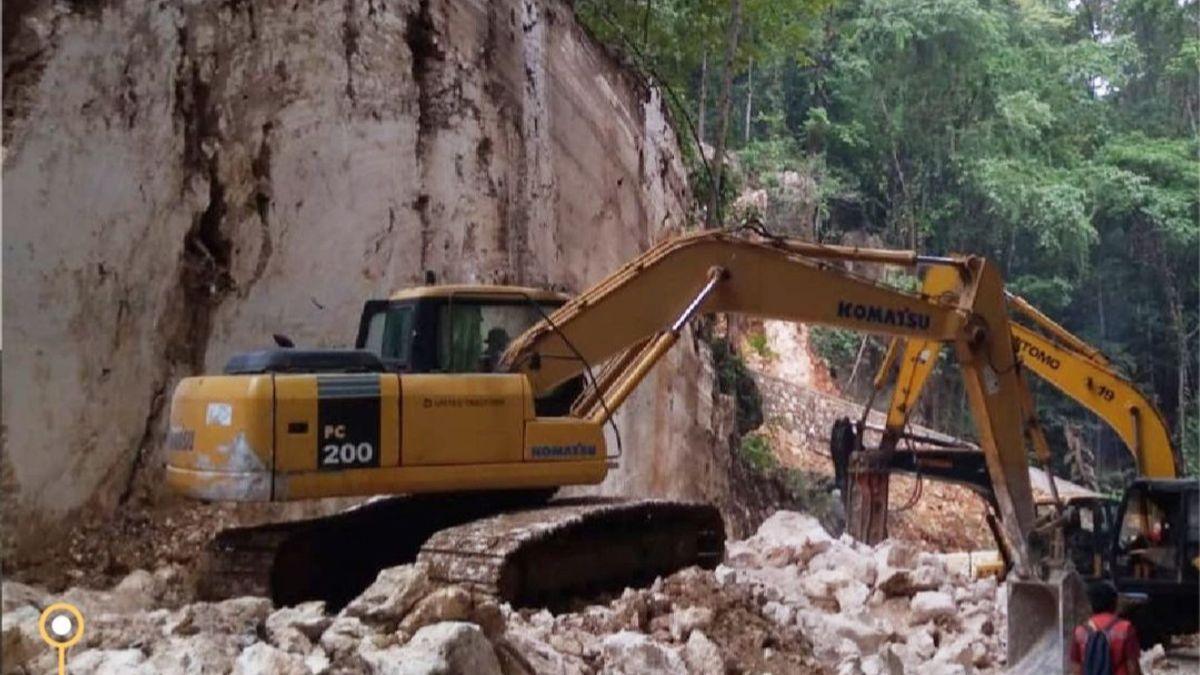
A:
508, 544
571, 548
333, 558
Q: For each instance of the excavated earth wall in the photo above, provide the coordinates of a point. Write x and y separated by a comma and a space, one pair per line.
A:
183, 179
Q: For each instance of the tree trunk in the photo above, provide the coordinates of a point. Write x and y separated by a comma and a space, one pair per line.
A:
1178, 328
713, 217
646, 25
703, 96
862, 347
749, 98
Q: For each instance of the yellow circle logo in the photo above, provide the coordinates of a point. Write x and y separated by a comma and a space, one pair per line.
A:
61, 626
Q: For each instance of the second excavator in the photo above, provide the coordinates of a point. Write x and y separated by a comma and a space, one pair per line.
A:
479, 439
1104, 538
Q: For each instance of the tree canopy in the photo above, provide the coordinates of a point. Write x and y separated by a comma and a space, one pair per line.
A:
1060, 138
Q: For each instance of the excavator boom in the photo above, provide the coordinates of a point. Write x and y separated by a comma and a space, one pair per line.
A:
646, 302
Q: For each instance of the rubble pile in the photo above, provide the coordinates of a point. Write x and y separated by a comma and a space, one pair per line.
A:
790, 599
890, 609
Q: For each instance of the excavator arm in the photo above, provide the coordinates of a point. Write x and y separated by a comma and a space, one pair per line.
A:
1112, 397
1070, 365
636, 314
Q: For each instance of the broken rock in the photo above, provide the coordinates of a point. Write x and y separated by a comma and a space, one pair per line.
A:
108, 662
684, 621
853, 596
14, 594
263, 659
450, 603
866, 637
930, 606
21, 641
629, 653
896, 554
847, 560
204, 653
392, 595
537, 656
449, 648
702, 655
240, 617
295, 629
343, 636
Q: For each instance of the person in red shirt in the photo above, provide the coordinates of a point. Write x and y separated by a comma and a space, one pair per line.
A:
1123, 646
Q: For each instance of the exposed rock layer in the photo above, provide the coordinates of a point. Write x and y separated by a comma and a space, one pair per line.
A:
182, 180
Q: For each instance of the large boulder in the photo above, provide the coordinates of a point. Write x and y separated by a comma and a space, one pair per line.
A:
392, 595
449, 648
788, 537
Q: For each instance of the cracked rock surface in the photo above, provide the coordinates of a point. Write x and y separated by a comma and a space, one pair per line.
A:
182, 180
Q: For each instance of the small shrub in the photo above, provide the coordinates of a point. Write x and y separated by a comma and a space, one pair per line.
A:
758, 342
757, 450
734, 378
837, 346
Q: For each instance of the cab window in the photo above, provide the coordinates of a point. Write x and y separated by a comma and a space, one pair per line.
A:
472, 335
390, 334
1148, 544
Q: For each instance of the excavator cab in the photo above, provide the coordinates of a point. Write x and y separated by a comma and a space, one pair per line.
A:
450, 329
459, 329
1156, 559
1088, 529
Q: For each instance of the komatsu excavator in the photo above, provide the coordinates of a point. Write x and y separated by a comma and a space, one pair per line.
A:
479, 435
1103, 538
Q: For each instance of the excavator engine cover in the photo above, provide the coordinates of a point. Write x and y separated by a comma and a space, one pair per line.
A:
1042, 615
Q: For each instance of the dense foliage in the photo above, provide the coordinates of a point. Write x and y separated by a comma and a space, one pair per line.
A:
1057, 138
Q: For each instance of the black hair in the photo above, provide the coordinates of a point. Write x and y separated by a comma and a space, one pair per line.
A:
1103, 597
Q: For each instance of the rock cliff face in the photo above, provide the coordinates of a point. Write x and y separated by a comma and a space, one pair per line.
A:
183, 179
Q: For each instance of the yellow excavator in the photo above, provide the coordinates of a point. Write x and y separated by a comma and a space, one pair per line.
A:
435, 403
1104, 538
